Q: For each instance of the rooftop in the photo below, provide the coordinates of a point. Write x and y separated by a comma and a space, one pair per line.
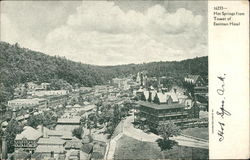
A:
50, 140
73, 144
192, 78
75, 119
89, 107
161, 106
29, 133
48, 149
27, 100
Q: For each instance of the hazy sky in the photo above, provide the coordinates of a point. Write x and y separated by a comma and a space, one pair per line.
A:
108, 32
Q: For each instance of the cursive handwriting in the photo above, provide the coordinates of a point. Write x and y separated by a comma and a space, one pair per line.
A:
221, 131
222, 89
222, 111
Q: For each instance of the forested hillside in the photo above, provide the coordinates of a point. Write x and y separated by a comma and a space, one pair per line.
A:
20, 65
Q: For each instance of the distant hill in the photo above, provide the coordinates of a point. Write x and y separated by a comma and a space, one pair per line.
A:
20, 65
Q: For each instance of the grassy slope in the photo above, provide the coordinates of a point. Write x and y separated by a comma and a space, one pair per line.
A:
197, 132
129, 148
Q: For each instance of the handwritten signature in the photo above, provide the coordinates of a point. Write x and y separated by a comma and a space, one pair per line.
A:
222, 111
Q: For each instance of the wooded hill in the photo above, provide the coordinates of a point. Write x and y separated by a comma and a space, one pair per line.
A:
20, 65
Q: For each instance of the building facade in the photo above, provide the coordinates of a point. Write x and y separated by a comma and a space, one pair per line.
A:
165, 107
27, 140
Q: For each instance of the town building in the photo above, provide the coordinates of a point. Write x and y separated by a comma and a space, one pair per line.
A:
27, 140
142, 78
56, 100
27, 103
62, 134
200, 90
68, 123
122, 83
50, 93
196, 80
31, 86
160, 107
50, 145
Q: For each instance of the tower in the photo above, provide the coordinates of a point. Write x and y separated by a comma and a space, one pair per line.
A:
4, 148
14, 113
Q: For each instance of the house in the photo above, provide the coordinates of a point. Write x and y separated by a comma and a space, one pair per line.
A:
28, 139
196, 80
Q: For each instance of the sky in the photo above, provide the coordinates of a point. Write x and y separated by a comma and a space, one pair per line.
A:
108, 32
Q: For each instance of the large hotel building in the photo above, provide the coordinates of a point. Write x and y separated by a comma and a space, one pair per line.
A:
166, 107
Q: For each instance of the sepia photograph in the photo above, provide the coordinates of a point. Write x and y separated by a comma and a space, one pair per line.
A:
115, 79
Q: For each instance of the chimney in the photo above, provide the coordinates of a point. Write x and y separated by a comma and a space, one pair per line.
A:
44, 133
175, 90
78, 154
52, 154
4, 148
42, 129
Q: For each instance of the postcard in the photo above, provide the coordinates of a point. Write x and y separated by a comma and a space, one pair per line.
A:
124, 79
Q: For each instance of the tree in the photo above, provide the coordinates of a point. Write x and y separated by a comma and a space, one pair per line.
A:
73, 101
78, 132
83, 121
93, 118
167, 130
5, 93
35, 120
11, 131
48, 119
116, 114
58, 84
